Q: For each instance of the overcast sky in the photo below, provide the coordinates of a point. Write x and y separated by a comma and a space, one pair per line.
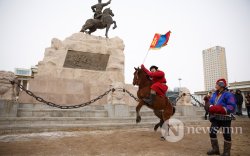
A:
27, 27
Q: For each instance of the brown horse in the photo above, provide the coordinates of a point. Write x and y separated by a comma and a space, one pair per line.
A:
162, 107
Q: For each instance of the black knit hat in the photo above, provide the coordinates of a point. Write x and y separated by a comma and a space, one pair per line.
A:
155, 67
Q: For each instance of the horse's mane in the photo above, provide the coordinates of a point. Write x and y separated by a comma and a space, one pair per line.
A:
105, 10
146, 75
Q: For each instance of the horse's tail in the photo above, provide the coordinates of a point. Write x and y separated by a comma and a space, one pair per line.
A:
88, 24
170, 105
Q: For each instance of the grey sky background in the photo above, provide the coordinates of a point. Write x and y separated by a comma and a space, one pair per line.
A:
27, 27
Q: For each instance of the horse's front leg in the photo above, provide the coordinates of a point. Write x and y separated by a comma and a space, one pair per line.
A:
165, 130
138, 108
115, 26
158, 125
107, 30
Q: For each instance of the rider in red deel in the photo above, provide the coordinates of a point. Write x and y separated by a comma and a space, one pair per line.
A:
159, 83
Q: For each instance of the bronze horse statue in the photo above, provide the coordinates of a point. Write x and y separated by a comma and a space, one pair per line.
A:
104, 22
162, 106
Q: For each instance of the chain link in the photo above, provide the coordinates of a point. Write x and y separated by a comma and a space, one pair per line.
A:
56, 105
178, 98
131, 95
184, 94
200, 104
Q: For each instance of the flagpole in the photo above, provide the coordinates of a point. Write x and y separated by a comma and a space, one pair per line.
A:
145, 56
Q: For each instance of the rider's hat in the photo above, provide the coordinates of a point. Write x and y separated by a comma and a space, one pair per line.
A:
155, 67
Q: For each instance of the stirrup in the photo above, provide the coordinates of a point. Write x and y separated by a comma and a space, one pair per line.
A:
148, 101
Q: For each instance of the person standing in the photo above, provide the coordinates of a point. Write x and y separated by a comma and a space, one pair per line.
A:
207, 104
222, 106
236, 109
239, 101
248, 104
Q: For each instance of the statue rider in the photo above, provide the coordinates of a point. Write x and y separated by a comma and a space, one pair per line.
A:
97, 9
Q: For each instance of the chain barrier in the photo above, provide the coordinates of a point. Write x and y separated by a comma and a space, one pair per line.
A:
86, 103
184, 94
131, 95
56, 105
178, 98
197, 101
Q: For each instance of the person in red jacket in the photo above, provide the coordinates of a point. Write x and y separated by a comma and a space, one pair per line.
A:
159, 83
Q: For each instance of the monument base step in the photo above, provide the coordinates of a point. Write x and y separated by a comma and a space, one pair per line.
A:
23, 112
12, 129
70, 120
44, 124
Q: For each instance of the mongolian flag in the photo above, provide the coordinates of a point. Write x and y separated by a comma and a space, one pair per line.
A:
160, 40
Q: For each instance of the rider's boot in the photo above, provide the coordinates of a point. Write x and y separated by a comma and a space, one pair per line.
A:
151, 99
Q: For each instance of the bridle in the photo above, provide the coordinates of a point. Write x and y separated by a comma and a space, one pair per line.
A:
136, 78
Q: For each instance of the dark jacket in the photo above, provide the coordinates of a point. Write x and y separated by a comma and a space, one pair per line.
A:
247, 101
207, 103
239, 98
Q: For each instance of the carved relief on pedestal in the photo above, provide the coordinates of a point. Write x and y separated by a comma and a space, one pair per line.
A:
118, 96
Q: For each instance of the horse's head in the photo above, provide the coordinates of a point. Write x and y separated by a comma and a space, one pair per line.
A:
136, 77
109, 12
139, 75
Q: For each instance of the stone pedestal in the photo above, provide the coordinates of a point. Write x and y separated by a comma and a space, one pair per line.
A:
78, 69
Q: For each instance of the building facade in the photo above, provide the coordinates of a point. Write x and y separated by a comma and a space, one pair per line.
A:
214, 66
24, 75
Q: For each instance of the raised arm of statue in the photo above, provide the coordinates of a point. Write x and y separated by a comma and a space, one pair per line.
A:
93, 8
105, 4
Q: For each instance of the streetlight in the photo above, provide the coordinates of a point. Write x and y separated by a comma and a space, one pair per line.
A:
180, 83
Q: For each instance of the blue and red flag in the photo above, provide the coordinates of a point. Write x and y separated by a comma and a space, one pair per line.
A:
160, 40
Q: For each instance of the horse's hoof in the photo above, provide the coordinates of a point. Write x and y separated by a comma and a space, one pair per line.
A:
162, 138
138, 119
114, 27
156, 127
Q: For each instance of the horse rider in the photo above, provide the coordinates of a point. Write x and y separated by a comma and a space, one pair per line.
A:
159, 83
222, 106
97, 8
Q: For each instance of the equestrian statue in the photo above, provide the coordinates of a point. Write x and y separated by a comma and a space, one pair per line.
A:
101, 20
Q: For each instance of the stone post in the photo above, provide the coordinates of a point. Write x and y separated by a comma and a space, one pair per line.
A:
184, 105
8, 103
116, 101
